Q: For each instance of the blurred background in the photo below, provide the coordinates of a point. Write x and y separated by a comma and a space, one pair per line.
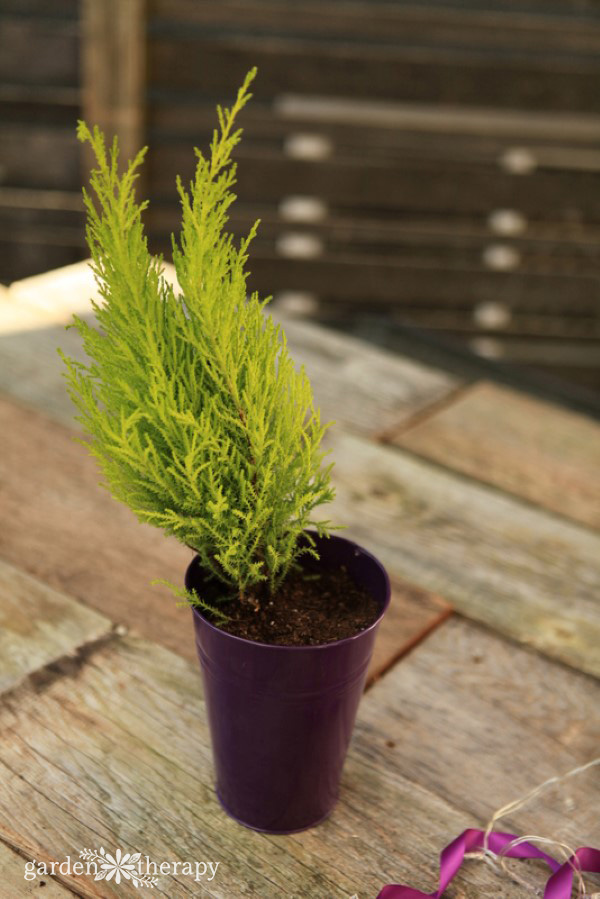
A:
427, 173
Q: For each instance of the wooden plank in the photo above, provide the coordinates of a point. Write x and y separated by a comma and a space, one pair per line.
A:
393, 127
63, 9
541, 696
67, 204
39, 155
38, 626
66, 757
425, 74
523, 572
30, 368
52, 103
113, 69
350, 279
483, 722
49, 47
581, 330
555, 351
578, 8
435, 24
545, 454
551, 246
99, 552
69, 533
441, 185
12, 867
584, 376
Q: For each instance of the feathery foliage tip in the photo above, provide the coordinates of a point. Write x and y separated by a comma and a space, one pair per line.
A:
191, 403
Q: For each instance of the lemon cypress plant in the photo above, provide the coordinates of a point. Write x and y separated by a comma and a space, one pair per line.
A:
191, 403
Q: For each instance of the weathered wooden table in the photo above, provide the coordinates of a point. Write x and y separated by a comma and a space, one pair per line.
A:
484, 504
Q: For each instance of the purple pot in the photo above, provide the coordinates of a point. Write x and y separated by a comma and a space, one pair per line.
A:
281, 717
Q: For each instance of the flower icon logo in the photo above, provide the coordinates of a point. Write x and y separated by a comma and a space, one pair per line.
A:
117, 866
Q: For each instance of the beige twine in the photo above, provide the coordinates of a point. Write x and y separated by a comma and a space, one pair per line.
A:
562, 850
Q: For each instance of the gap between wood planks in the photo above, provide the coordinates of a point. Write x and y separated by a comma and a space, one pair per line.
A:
389, 434
68, 665
393, 436
467, 478
408, 647
57, 885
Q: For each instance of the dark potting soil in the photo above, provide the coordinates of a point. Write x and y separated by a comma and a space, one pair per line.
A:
308, 609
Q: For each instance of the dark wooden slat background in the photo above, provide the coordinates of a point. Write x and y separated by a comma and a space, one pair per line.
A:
435, 164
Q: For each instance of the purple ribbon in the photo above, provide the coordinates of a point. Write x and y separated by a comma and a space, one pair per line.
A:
559, 885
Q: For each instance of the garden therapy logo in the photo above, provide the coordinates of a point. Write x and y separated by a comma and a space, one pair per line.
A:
119, 866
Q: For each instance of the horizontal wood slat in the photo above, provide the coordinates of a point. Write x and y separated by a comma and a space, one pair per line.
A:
39, 626
384, 281
11, 872
55, 9
39, 156
486, 722
415, 184
465, 76
544, 454
440, 24
34, 256
392, 127
527, 574
39, 50
571, 331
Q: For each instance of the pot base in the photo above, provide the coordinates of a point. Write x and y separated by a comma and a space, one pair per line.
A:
269, 829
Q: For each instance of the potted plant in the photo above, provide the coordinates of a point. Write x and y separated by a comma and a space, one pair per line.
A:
202, 425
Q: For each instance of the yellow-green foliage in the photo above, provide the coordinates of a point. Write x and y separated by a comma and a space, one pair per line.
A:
191, 403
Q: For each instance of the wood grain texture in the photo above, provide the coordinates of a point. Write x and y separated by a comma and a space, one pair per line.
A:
440, 24
38, 626
482, 722
113, 69
69, 533
119, 755
12, 869
543, 453
525, 573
